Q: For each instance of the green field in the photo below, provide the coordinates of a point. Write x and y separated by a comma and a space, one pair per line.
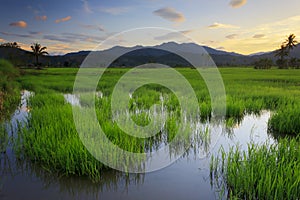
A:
51, 139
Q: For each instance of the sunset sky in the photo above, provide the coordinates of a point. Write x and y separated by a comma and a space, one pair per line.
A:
242, 26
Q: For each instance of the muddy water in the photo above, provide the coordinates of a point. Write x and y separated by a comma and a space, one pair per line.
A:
187, 178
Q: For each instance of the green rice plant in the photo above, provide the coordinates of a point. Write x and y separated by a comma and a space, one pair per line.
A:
286, 121
260, 172
9, 89
52, 141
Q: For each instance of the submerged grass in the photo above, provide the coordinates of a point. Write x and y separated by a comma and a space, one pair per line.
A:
261, 172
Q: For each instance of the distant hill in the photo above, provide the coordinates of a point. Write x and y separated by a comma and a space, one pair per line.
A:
294, 53
139, 55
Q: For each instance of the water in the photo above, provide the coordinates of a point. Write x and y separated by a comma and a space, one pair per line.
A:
187, 178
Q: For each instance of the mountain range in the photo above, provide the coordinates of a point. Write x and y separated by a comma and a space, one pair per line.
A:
140, 55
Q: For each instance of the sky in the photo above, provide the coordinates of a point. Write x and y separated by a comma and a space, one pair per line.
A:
242, 26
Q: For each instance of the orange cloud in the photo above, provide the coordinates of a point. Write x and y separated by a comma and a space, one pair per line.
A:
232, 36
219, 25
63, 19
237, 3
2, 40
20, 24
42, 18
258, 36
170, 14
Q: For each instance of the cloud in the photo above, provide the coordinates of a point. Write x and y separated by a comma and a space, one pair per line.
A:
115, 10
219, 25
279, 30
237, 3
63, 19
86, 6
16, 35
257, 36
210, 42
35, 33
232, 36
2, 40
94, 27
170, 14
74, 37
57, 38
173, 35
20, 24
34, 10
41, 18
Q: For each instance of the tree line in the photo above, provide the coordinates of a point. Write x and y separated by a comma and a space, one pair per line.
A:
284, 59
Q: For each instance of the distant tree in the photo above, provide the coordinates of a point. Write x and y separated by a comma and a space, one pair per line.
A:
264, 63
10, 44
284, 51
295, 63
66, 64
38, 50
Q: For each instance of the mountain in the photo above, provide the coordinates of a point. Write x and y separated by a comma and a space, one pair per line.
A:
140, 55
258, 53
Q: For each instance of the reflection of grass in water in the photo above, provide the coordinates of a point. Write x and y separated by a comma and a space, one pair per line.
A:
3, 139
261, 172
78, 188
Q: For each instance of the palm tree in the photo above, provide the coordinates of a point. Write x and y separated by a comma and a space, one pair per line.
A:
38, 50
290, 42
282, 52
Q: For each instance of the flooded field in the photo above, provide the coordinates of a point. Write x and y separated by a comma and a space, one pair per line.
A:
187, 178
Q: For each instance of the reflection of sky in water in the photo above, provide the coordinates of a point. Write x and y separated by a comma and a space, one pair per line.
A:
187, 178
20, 115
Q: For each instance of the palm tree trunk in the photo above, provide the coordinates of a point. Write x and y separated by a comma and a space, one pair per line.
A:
36, 60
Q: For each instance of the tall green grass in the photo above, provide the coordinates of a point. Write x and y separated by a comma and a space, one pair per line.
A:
286, 121
261, 172
51, 139
248, 90
9, 88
